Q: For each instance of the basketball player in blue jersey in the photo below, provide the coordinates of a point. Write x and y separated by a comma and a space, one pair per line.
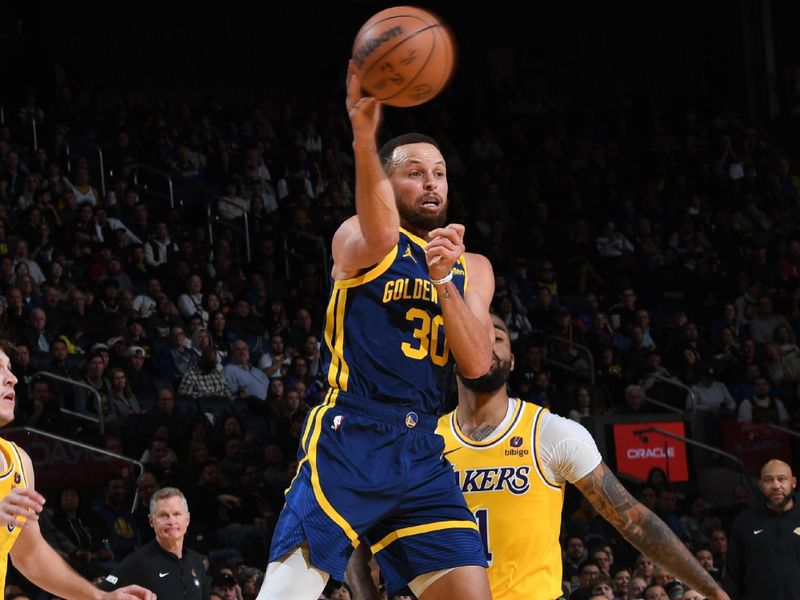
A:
20, 506
512, 460
407, 302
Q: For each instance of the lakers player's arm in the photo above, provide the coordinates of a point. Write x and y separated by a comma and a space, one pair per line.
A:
359, 574
365, 239
644, 530
467, 325
42, 565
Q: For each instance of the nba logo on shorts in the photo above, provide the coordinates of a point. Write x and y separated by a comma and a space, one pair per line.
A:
516, 441
411, 420
17, 478
337, 422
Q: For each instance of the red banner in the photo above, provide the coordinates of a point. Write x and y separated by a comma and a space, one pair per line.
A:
637, 454
755, 444
57, 462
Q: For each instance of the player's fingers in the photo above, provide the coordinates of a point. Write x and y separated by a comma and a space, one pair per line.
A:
458, 228
32, 495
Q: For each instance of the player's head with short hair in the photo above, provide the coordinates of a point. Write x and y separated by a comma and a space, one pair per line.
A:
387, 151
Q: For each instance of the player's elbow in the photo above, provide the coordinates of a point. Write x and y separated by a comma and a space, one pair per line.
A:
381, 241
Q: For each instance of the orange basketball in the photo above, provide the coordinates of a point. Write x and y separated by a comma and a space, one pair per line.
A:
405, 55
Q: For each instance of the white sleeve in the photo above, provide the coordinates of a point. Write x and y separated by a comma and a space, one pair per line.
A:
745, 412
567, 450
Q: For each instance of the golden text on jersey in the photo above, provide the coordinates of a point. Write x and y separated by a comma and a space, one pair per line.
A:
384, 333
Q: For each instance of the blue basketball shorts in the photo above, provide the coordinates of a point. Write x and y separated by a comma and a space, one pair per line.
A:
375, 472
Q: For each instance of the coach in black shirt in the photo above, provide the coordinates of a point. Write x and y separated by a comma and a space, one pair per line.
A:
764, 546
165, 565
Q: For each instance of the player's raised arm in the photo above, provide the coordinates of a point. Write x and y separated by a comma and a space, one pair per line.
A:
645, 531
365, 239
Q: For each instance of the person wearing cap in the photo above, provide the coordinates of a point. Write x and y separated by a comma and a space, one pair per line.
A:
709, 394
226, 587
164, 565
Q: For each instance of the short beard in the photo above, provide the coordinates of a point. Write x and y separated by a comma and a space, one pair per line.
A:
780, 505
494, 380
424, 222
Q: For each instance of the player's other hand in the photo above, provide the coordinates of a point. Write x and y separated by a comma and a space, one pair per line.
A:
442, 251
21, 502
131, 592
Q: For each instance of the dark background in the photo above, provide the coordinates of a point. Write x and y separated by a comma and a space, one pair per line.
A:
298, 50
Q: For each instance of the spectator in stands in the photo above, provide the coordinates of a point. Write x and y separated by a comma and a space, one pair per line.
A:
766, 321
159, 248
174, 359
119, 526
191, 302
277, 360
243, 324
21, 257
95, 378
762, 407
244, 380
124, 403
83, 528
633, 402
709, 394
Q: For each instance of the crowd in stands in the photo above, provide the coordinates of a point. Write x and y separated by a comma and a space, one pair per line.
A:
648, 239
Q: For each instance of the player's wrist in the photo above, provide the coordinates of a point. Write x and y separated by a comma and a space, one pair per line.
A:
442, 280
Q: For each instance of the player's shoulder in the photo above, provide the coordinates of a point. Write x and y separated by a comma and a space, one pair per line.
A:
564, 426
443, 424
477, 261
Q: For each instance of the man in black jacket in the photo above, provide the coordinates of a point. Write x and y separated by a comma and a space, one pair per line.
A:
764, 548
170, 569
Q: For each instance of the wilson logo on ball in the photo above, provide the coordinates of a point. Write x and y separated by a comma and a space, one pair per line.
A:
371, 44
405, 56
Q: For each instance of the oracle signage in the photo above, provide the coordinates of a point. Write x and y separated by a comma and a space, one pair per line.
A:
637, 454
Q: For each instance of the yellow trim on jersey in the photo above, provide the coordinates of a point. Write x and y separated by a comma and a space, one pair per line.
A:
310, 425
316, 485
463, 260
470, 443
369, 275
422, 243
21, 463
8, 458
338, 371
418, 529
537, 458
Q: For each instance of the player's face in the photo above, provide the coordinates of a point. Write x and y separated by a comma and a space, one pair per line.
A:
170, 519
777, 484
419, 179
8, 397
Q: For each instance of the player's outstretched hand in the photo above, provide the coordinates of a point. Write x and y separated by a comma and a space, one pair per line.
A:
131, 592
445, 246
21, 502
364, 111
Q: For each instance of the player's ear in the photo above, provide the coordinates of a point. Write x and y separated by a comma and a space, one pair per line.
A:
512, 361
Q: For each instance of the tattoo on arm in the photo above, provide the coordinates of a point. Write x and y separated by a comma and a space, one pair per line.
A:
642, 528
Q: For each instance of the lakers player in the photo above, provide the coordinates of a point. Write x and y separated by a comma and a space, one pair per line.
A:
407, 303
512, 460
19, 509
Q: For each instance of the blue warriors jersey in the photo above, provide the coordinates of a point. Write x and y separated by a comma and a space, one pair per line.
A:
13, 476
384, 333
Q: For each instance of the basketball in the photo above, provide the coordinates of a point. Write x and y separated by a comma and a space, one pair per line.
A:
405, 56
